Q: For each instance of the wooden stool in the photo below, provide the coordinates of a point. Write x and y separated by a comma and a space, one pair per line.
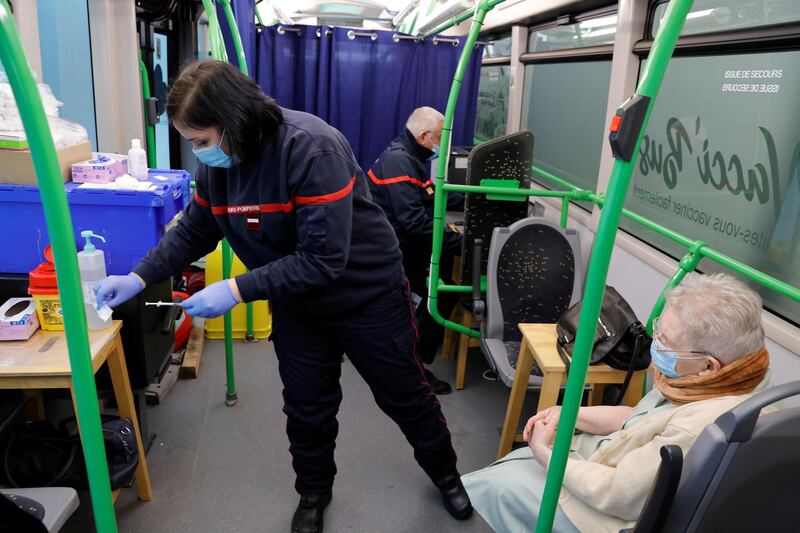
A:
42, 362
539, 344
465, 342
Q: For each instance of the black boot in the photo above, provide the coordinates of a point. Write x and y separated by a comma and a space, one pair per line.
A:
454, 496
439, 387
308, 516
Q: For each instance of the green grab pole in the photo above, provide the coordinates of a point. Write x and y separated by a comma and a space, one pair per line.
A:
237, 38
440, 192
687, 264
766, 280
650, 82
150, 130
237, 42
259, 18
218, 52
230, 395
554, 179
488, 189
488, 5
564, 212
216, 42
59, 226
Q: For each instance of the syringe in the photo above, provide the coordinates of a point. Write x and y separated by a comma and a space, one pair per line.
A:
164, 304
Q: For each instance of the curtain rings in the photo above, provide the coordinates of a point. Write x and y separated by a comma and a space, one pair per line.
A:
282, 30
451, 40
328, 32
353, 34
397, 38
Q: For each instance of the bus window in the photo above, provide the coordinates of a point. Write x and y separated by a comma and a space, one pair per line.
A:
720, 162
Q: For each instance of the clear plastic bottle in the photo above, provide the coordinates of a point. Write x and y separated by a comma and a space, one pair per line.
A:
92, 266
137, 160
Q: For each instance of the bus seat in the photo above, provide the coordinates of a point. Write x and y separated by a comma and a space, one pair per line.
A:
506, 158
42, 509
533, 275
741, 474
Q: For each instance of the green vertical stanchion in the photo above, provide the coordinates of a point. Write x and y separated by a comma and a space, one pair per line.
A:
59, 226
237, 42
230, 395
649, 84
440, 194
237, 38
150, 130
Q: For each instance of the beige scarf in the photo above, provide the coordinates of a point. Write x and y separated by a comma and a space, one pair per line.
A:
739, 377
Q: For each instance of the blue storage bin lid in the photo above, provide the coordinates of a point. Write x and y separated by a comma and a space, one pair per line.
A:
174, 186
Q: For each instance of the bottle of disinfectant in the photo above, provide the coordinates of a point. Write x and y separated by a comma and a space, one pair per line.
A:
92, 265
137, 160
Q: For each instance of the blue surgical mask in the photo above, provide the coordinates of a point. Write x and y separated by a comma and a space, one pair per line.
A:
435, 154
664, 360
215, 156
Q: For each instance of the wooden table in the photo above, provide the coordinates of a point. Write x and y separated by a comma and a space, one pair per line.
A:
42, 362
539, 344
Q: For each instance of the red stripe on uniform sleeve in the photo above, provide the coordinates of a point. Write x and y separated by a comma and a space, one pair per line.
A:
200, 201
397, 179
326, 198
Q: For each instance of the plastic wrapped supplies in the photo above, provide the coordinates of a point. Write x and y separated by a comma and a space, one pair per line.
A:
65, 132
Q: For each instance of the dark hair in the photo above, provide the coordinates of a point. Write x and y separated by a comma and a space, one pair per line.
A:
216, 94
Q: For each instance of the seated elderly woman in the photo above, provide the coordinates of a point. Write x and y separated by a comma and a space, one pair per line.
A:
709, 355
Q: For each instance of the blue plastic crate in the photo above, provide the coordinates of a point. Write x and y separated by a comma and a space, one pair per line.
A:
132, 222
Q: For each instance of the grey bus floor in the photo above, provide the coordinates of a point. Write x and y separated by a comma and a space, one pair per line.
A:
227, 469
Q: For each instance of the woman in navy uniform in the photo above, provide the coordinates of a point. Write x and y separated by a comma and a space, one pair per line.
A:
286, 191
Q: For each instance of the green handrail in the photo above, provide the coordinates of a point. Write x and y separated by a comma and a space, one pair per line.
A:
215, 39
62, 236
603, 245
660, 54
237, 38
237, 42
488, 5
218, 52
150, 130
440, 190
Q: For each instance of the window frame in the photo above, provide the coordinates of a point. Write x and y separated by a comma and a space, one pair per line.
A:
569, 55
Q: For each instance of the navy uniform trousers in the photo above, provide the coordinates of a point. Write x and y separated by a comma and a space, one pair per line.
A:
380, 341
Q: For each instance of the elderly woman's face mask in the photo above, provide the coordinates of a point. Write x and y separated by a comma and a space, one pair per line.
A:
670, 362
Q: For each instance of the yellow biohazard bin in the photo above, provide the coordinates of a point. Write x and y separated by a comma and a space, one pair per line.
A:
44, 289
215, 328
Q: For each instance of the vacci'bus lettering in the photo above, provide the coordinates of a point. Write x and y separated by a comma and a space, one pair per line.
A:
760, 182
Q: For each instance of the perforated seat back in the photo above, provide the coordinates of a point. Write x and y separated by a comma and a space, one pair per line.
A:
534, 275
742, 478
505, 158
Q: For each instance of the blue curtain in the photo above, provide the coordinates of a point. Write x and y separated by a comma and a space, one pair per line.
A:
365, 88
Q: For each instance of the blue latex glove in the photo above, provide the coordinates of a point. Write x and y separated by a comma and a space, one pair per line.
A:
116, 290
213, 301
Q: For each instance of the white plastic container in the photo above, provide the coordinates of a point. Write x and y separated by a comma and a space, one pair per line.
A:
137, 160
92, 266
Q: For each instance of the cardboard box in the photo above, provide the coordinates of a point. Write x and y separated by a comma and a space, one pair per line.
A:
16, 166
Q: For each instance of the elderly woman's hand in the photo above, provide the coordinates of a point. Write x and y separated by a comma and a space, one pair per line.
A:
542, 436
541, 415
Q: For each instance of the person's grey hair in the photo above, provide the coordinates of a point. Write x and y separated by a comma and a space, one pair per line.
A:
718, 315
423, 119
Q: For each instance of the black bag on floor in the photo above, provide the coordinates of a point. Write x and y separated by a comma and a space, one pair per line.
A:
620, 340
40, 455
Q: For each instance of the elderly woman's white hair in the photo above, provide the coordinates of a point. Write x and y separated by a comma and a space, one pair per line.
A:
718, 315
424, 119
